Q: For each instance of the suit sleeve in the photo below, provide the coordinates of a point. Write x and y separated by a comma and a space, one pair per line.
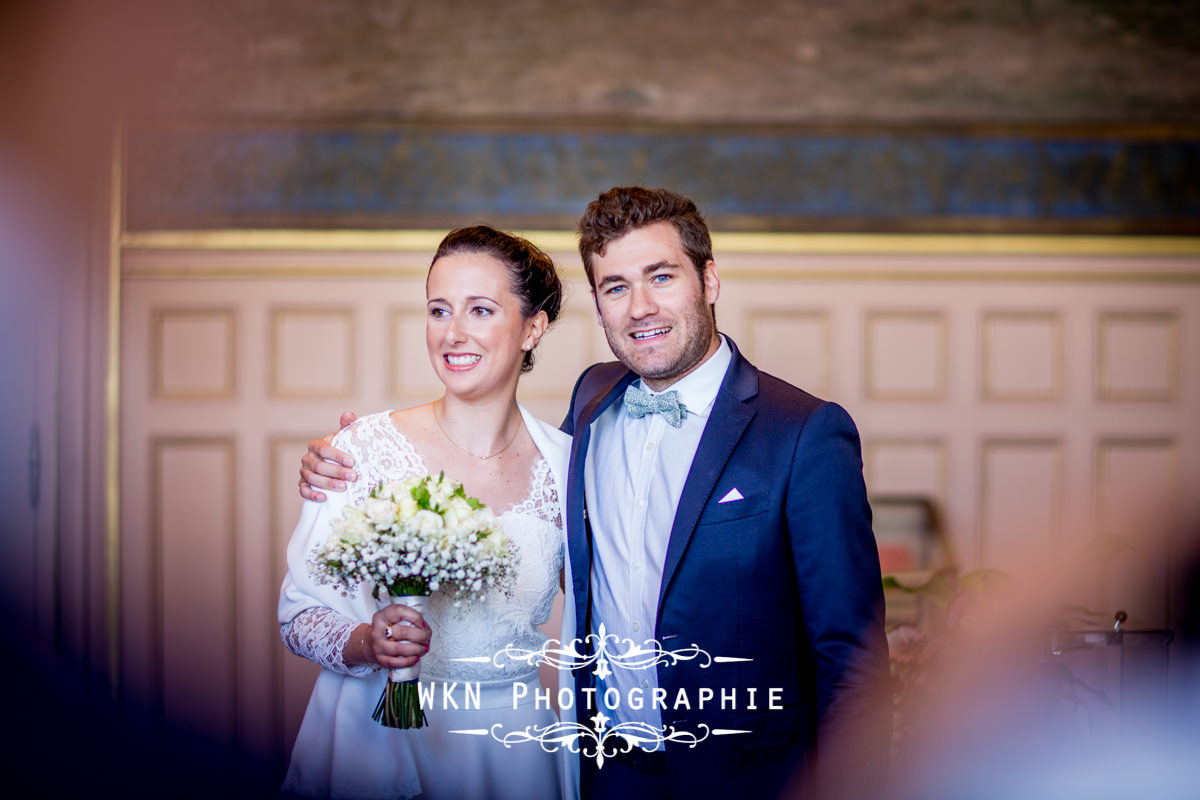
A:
841, 594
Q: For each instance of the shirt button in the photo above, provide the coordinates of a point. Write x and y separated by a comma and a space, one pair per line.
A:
639, 505
635, 566
637, 626
645, 684
649, 447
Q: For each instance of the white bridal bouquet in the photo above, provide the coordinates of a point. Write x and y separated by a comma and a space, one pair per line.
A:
411, 538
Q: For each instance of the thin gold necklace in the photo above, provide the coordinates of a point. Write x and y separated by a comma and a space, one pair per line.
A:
511, 439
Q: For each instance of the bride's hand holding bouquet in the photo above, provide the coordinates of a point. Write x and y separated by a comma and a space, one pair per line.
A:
406, 540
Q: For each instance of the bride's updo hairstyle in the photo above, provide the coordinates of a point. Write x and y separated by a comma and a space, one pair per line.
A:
531, 272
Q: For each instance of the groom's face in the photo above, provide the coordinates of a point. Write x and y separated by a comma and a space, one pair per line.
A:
656, 310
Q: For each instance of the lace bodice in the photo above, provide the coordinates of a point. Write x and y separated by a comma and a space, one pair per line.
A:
472, 629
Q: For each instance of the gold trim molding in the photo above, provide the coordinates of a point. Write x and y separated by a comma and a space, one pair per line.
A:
426, 241
112, 416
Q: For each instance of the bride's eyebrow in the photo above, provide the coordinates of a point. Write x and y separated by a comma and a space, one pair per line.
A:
474, 298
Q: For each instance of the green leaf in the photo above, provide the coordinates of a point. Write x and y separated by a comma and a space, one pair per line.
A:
420, 493
474, 503
414, 585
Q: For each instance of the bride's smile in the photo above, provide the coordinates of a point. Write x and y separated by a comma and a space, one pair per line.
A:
476, 332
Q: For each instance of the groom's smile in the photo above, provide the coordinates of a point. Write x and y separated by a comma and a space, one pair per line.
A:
655, 310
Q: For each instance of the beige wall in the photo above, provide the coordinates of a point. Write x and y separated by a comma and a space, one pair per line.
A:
1037, 394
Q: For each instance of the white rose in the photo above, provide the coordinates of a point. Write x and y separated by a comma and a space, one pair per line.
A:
439, 493
352, 528
381, 512
353, 512
427, 523
458, 512
406, 506
395, 490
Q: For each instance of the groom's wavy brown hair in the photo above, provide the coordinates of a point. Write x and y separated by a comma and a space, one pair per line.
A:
625, 208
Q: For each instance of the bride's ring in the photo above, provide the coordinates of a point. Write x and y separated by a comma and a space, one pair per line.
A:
387, 633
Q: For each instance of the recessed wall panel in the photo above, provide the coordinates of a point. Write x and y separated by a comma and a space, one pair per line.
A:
792, 345
412, 377
906, 358
293, 676
1022, 356
1138, 495
905, 466
194, 353
196, 586
564, 352
1021, 485
1138, 356
312, 353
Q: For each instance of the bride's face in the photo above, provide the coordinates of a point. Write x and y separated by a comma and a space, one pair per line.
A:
474, 330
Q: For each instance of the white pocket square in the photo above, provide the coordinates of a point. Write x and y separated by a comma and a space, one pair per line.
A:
733, 495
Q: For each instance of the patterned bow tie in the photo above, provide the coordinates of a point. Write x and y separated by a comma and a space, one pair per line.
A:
640, 403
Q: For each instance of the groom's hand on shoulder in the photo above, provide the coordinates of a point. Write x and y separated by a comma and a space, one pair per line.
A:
326, 467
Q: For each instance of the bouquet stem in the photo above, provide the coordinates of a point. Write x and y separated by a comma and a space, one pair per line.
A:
400, 704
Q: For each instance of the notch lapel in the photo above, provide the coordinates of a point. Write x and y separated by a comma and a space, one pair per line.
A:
728, 420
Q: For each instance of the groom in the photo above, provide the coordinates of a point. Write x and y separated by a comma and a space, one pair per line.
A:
713, 506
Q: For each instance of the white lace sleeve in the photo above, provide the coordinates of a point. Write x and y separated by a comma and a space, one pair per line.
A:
320, 635
381, 453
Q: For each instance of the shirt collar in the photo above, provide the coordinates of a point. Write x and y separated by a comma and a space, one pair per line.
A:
698, 389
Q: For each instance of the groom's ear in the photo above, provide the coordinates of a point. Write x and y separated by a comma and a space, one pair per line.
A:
712, 282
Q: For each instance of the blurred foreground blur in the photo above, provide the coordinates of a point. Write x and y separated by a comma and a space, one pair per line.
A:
1014, 696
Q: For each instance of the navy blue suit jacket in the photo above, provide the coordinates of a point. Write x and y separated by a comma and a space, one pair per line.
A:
788, 577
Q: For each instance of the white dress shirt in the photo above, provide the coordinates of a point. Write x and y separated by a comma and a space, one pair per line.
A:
633, 477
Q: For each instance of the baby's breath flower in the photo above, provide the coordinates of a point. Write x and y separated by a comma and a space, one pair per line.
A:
417, 534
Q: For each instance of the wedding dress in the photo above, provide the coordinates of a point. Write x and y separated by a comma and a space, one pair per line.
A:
340, 750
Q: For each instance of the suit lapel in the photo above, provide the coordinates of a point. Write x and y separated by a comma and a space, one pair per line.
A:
579, 545
728, 420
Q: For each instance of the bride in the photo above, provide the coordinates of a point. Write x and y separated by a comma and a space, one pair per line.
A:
490, 298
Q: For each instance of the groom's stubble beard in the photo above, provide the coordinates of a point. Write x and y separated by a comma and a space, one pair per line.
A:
701, 328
